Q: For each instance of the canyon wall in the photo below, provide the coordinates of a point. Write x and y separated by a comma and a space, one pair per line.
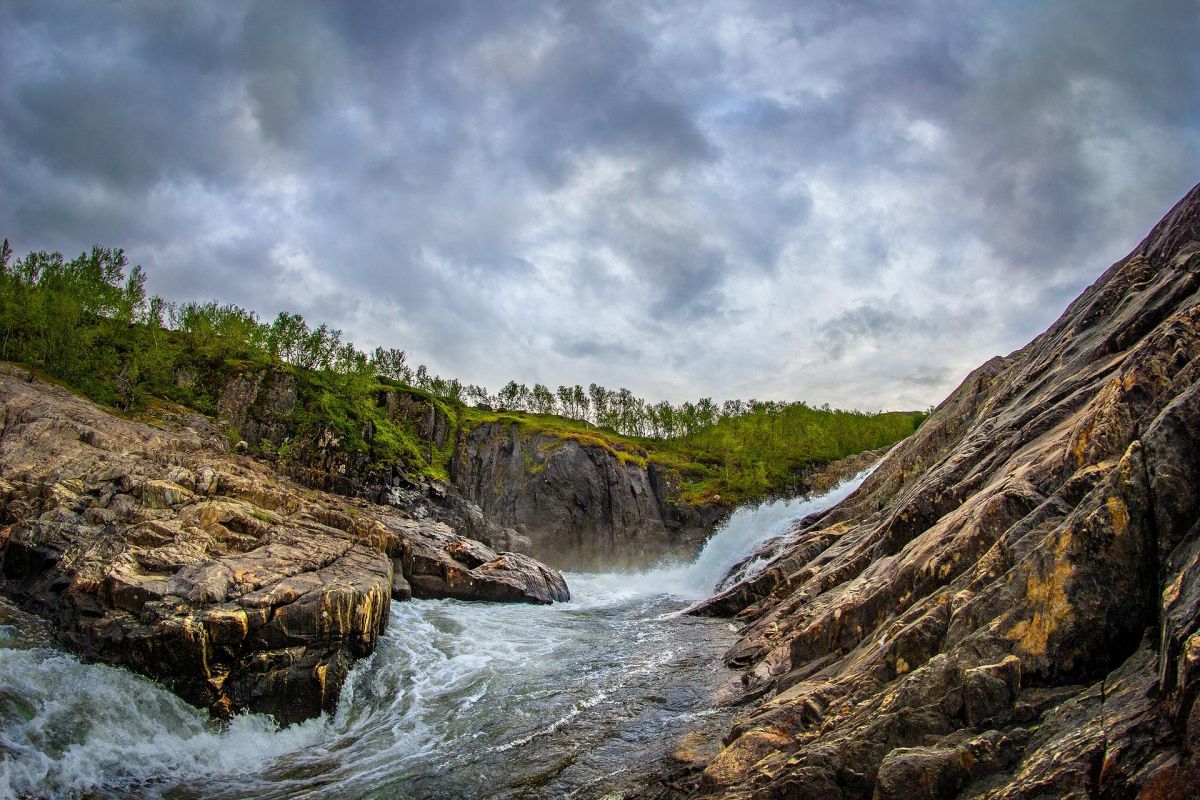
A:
574, 501
581, 504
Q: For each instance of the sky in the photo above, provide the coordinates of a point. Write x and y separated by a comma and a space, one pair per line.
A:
840, 202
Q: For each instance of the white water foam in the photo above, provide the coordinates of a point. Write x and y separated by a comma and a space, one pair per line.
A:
746, 529
71, 727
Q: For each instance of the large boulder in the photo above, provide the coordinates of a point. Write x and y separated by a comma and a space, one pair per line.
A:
436, 562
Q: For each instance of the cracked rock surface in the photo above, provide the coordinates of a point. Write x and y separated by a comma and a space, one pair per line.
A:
1010, 605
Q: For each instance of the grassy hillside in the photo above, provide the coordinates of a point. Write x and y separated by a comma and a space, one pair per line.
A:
88, 323
734, 459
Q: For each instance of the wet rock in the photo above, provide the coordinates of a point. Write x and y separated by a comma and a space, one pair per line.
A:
212, 629
438, 563
401, 588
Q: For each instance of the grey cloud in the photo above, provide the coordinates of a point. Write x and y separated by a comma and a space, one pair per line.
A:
930, 376
757, 197
1069, 76
872, 323
593, 90
589, 348
690, 291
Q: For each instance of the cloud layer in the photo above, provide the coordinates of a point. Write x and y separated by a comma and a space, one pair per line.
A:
853, 204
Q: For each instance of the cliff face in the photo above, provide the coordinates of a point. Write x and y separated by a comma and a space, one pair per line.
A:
580, 504
260, 409
145, 544
572, 503
1010, 605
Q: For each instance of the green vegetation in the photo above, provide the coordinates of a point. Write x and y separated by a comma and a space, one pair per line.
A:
88, 323
764, 449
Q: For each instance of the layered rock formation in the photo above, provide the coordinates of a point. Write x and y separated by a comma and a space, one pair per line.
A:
148, 546
1010, 605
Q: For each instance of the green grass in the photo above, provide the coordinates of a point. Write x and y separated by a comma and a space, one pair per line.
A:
736, 459
626, 449
88, 325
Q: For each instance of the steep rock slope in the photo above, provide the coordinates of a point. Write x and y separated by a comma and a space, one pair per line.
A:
1010, 605
146, 545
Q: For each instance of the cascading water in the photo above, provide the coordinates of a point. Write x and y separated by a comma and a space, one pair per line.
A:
745, 530
459, 700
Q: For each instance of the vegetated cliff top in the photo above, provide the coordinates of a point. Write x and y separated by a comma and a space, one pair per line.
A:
1010, 605
88, 323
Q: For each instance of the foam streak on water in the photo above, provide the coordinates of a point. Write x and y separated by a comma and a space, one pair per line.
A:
459, 700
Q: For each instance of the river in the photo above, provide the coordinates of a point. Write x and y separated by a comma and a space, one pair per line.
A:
460, 700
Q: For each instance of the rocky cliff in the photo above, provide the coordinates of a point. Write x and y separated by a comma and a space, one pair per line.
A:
581, 504
1010, 605
146, 544
570, 500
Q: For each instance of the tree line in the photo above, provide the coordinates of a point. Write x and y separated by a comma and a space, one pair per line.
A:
90, 322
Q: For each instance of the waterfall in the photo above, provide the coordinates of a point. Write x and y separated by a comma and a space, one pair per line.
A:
746, 529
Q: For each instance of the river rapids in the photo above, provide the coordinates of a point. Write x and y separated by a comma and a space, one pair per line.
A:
460, 700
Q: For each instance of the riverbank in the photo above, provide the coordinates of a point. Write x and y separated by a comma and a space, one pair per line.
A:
459, 699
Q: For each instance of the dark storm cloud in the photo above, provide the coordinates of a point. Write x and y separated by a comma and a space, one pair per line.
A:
755, 198
874, 324
591, 91
92, 102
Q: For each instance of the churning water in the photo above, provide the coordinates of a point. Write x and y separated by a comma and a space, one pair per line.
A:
460, 700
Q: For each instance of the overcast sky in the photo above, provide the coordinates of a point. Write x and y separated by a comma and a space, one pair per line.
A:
843, 202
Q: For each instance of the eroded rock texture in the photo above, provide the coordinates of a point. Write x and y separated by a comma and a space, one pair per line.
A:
147, 546
573, 502
1010, 606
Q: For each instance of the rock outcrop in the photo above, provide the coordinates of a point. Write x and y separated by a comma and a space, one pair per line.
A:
573, 502
146, 545
572, 496
1010, 605
436, 562
581, 504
